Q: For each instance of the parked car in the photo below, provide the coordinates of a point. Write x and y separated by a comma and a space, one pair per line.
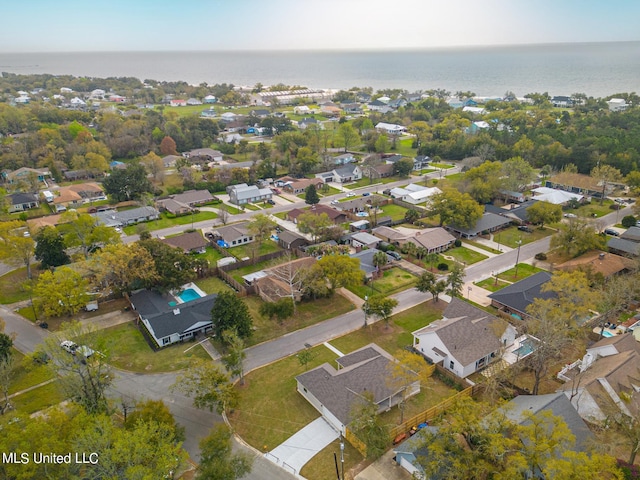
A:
366, 194
612, 232
271, 202
525, 228
351, 194
69, 346
570, 215
395, 255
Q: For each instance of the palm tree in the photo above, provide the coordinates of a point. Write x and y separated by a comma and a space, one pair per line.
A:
421, 252
410, 249
431, 258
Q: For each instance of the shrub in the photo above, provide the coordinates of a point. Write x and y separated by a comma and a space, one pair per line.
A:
629, 221
457, 243
540, 256
443, 267
281, 309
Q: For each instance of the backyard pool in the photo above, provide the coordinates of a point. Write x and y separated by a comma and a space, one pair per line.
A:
188, 295
606, 333
526, 347
362, 214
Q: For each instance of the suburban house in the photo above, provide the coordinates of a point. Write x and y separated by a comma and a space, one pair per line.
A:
514, 212
578, 183
489, 222
190, 242
366, 261
434, 240
352, 108
336, 216
364, 240
344, 158
377, 171
113, 218
205, 154
169, 161
390, 128
210, 99
347, 173
378, 106
334, 392
176, 102
555, 196
360, 204
302, 110
617, 105
297, 186
306, 122
79, 194
465, 340
233, 235
562, 101
242, 193
24, 173
19, 202
169, 321
390, 235
598, 262
183, 203
414, 194
282, 281
289, 240
408, 452
194, 101
606, 374
623, 246
515, 298
421, 161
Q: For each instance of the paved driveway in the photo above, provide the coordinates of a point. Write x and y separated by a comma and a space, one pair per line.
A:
301, 447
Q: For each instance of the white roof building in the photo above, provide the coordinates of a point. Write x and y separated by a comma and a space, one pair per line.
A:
390, 128
557, 197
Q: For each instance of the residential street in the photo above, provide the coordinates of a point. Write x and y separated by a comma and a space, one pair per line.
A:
198, 422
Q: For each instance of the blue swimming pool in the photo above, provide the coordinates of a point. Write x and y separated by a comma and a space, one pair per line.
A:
525, 348
606, 333
188, 295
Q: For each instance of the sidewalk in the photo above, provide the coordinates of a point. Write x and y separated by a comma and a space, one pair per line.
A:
352, 297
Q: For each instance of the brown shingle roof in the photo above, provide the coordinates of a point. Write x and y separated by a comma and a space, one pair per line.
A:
187, 241
598, 262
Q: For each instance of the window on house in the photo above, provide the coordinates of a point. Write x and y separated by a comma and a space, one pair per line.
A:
452, 365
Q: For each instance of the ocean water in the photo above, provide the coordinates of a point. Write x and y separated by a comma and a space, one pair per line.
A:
597, 69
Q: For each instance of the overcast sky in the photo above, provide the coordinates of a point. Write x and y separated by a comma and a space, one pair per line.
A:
139, 25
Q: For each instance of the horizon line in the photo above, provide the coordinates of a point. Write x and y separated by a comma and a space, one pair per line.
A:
335, 50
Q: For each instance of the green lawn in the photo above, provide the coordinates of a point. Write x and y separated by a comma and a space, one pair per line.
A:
393, 280
28, 313
27, 374
12, 285
508, 277
232, 210
129, 350
364, 182
239, 272
510, 236
213, 285
307, 313
251, 207
465, 255
267, 246
271, 410
38, 399
396, 212
482, 246
212, 255
404, 148
594, 209
167, 220
445, 166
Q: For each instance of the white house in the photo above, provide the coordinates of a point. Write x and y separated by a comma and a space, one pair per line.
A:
617, 105
301, 110
242, 193
414, 194
390, 128
465, 340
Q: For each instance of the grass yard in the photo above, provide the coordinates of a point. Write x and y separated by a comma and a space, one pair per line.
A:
444, 166
38, 399
491, 285
404, 147
524, 270
482, 246
307, 313
27, 374
232, 210
210, 254
167, 220
270, 408
396, 212
393, 280
212, 285
594, 209
12, 285
251, 207
510, 236
129, 350
242, 251
364, 182
465, 255
394, 339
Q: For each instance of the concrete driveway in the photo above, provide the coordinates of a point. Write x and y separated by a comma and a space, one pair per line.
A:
301, 447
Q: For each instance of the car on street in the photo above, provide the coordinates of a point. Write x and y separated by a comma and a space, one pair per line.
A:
570, 215
69, 346
334, 202
351, 194
271, 202
366, 194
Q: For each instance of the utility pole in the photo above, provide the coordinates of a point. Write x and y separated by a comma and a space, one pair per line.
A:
519, 242
342, 454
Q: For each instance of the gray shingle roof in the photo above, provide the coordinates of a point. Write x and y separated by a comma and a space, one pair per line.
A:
468, 332
632, 233
520, 295
156, 310
193, 196
625, 246
339, 390
487, 222
20, 198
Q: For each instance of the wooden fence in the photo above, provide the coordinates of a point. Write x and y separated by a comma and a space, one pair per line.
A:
430, 413
355, 442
